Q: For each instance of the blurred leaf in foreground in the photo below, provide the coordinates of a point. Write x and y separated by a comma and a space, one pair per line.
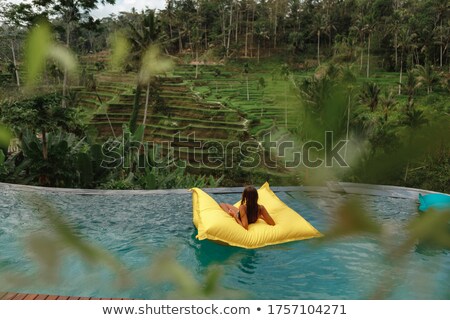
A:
153, 63
430, 229
49, 248
352, 219
166, 269
39, 47
120, 49
5, 136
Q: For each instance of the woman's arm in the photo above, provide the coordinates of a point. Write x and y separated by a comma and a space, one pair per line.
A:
266, 216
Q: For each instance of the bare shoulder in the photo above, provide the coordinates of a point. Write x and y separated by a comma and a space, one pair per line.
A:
242, 208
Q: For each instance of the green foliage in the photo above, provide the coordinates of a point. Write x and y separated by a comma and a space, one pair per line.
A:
84, 166
40, 112
427, 77
58, 169
369, 95
325, 104
432, 173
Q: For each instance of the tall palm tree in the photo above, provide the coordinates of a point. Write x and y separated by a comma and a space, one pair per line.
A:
442, 9
369, 28
369, 95
358, 31
318, 29
142, 34
405, 43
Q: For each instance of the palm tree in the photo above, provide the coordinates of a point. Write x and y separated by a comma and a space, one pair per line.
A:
369, 28
357, 31
246, 71
442, 8
285, 72
318, 28
369, 95
142, 35
411, 85
405, 42
414, 118
388, 102
427, 76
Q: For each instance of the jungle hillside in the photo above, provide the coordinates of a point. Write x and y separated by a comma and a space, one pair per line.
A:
158, 99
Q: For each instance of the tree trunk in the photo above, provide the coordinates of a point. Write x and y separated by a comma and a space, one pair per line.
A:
318, 47
285, 107
136, 107
361, 60
258, 50
15, 64
348, 126
248, 94
223, 29
180, 41
401, 73
229, 30
64, 93
275, 25
440, 52
368, 56
237, 26
396, 50
44, 144
246, 37
253, 31
146, 104
196, 64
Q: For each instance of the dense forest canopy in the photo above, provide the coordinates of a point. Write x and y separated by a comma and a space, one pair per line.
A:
400, 33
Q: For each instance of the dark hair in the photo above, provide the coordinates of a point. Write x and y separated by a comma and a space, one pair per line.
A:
250, 199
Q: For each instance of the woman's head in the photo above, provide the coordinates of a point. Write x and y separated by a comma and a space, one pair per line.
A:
250, 199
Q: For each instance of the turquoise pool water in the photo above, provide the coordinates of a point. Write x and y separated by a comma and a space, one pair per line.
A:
137, 228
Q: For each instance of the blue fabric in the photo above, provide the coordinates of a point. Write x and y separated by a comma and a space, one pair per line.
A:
435, 201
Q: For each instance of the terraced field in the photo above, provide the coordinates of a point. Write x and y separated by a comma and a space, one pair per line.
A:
203, 117
265, 106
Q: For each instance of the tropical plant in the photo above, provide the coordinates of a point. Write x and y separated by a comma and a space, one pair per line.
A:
414, 118
427, 77
411, 85
388, 102
41, 114
58, 168
369, 95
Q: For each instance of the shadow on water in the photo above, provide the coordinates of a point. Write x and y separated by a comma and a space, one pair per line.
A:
209, 252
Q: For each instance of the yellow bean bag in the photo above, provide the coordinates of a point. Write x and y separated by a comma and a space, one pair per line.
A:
213, 223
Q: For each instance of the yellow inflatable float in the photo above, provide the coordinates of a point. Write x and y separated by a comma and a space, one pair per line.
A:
215, 224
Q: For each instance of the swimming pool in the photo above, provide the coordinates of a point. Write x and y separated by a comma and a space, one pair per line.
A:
136, 228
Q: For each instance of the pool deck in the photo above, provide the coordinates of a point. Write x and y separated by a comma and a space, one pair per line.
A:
26, 296
331, 186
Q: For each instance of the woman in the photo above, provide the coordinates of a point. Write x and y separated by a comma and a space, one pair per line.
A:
249, 211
